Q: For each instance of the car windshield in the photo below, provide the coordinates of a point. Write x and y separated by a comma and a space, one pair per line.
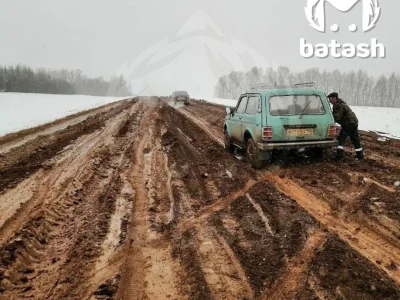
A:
289, 105
181, 93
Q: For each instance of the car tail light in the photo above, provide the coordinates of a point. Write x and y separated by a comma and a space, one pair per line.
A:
267, 133
332, 131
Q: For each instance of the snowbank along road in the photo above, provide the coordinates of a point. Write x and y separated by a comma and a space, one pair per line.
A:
139, 200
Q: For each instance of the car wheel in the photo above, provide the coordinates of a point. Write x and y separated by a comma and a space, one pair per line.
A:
253, 155
228, 143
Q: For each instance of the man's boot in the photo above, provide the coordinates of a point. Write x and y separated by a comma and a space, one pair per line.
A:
339, 154
360, 155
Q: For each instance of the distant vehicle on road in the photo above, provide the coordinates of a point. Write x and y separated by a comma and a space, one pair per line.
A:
180, 96
275, 118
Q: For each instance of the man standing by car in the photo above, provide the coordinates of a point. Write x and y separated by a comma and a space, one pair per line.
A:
343, 115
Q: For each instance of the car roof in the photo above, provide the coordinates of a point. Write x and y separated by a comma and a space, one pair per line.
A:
287, 91
180, 92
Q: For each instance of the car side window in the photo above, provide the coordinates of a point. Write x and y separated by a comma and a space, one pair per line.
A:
253, 104
242, 105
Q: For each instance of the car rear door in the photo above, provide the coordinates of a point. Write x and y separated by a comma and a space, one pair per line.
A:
236, 125
298, 118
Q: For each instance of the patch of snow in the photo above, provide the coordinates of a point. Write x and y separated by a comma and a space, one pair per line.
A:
20, 111
383, 120
224, 102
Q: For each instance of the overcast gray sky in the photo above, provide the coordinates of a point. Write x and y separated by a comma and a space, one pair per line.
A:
100, 36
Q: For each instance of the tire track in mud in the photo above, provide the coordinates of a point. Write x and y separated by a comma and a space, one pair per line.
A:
14, 140
212, 269
150, 206
377, 246
213, 133
70, 218
14, 168
295, 278
48, 183
264, 284
365, 207
265, 253
366, 242
353, 196
153, 272
111, 215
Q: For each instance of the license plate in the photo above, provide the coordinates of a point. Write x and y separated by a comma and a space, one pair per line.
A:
299, 131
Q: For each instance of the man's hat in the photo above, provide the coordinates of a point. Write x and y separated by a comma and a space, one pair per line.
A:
331, 95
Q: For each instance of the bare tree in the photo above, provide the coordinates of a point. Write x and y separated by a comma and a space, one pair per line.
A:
357, 88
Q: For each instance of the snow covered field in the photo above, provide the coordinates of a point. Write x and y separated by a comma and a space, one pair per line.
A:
20, 111
382, 119
377, 119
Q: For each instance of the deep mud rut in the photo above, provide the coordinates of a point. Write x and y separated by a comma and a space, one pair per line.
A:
140, 201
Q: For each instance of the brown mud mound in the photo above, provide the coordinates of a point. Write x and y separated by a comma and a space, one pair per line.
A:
186, 142
384, 147
211, 113
265, 229
378, 201
108, 289
339, 272
194, 280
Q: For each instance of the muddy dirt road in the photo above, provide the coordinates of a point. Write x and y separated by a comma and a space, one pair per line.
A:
140, 201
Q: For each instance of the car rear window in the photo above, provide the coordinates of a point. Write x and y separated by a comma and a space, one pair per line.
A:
181, 93
290, 105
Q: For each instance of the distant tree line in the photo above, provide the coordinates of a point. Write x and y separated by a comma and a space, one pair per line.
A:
22, 79
356, 88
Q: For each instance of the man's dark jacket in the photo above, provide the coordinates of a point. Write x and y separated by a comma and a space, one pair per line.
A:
343, 114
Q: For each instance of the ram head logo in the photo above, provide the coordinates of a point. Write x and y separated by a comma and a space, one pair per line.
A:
315, 12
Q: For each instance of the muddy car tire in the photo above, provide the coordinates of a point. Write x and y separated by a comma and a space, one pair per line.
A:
253, 155
228, 143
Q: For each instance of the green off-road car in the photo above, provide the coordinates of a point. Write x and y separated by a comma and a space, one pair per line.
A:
277, 118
